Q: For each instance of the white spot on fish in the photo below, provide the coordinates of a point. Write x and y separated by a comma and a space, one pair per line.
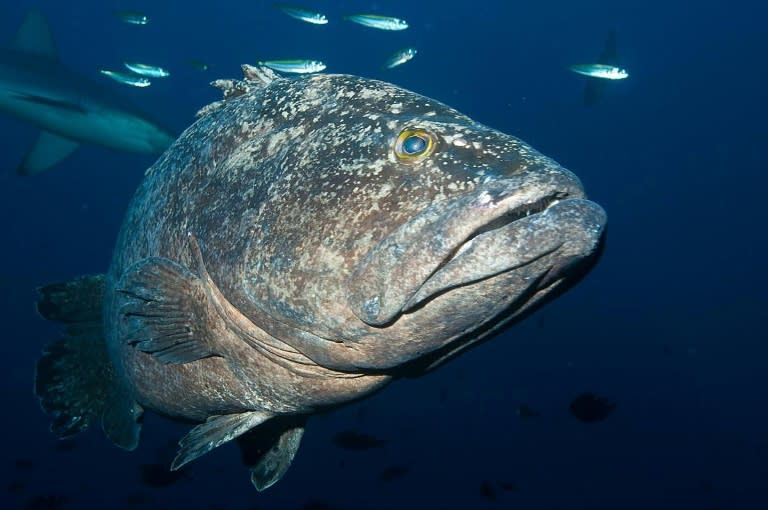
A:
484, 199
369, 94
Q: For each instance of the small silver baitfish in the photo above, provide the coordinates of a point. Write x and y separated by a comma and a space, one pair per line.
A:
147, 70
296, 66
603, 71
303, 14
198, 64
377, 21
400, 57
305, 242
131, 79
133, 17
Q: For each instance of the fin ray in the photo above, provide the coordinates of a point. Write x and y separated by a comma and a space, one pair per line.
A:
216, 431
254, 77
166, 312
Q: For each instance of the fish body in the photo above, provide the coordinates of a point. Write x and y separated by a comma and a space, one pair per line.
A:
400, 57
295, 66
132, 17
302, 14
303, 243
591, 408
394, 472
602, 71
377, 21
525, 411
352, 440
132, 79
147, 70
69, 108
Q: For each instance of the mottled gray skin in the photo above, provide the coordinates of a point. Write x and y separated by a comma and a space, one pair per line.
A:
329, 262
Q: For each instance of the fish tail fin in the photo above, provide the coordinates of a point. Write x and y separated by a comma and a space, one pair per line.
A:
74, 379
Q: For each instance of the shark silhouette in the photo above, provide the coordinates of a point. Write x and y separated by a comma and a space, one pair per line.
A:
70, 109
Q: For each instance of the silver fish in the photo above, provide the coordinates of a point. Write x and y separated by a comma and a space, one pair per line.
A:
133, 17
400, 57
302, 14
304, 243
198, 64
297, 66
147, 70
131, 79
377, 21
603, 71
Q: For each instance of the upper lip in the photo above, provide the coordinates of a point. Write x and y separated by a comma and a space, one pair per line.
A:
510, 216
389, 278
488, 251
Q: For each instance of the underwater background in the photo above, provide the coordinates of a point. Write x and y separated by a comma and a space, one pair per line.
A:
670, 326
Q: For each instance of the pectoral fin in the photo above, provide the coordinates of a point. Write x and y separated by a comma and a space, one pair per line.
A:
216, 431
48, 150
166, 311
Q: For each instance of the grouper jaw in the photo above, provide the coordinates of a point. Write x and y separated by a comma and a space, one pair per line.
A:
494, 228
564, 232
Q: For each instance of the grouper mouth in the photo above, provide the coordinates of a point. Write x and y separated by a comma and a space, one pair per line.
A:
499, 227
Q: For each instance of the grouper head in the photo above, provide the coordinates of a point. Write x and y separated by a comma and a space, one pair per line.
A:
381, 227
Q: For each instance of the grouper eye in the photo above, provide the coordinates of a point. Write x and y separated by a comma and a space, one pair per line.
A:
414, 144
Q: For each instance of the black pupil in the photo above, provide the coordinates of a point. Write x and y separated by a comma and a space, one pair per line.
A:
414, 144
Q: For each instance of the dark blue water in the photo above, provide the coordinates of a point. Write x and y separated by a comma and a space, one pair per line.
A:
670, 325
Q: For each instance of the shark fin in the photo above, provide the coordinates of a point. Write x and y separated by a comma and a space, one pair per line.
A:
609, 56
48, 150
34, 36
594, 90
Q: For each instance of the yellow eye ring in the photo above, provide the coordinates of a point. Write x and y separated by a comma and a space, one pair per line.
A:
414, 144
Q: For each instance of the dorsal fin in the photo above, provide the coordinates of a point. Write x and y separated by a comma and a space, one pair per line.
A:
254, 77
34, 36
259, 75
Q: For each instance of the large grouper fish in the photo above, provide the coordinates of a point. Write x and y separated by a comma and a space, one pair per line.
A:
303, 243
